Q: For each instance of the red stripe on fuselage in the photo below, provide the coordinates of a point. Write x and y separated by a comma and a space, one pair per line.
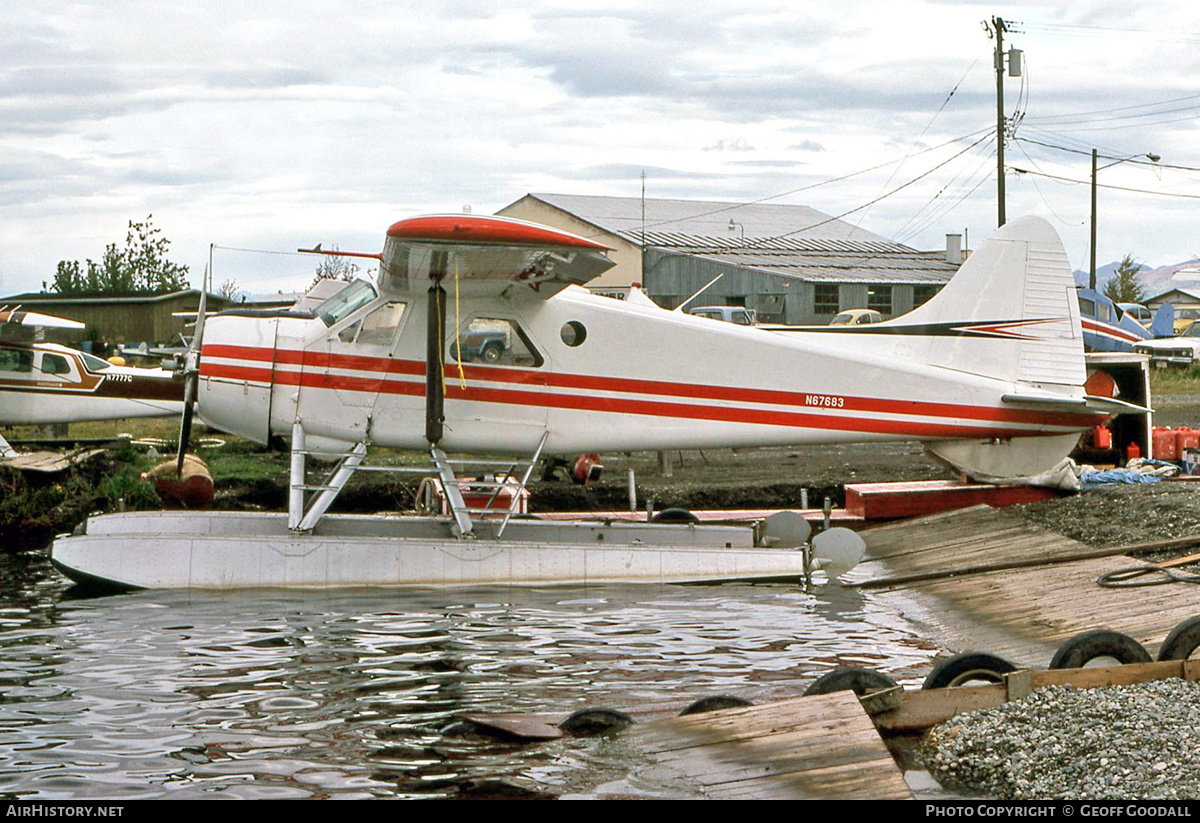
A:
816, 418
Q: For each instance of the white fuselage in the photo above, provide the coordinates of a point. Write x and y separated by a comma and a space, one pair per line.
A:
642, 378
42, 383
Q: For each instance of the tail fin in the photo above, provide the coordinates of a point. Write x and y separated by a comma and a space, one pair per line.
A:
1010, 312
1163, 324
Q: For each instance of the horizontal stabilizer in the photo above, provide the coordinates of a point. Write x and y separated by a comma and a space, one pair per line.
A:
1088, 403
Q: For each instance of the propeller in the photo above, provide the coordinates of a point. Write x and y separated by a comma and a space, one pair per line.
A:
191, 375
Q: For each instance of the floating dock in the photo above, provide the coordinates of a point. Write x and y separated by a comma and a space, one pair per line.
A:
805, 748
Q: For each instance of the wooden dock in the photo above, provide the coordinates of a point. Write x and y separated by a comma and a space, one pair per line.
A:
821, 747
989, 580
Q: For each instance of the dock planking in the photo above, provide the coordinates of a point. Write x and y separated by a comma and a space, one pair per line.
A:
819, 747
990, 573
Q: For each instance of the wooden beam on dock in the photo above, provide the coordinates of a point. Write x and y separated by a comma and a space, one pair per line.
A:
819, 747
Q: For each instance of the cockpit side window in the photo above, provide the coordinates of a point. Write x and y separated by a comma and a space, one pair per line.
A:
342, 304
378, 328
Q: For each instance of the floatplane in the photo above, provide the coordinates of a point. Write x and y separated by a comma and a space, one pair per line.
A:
43, 382
1108, 327
478, 338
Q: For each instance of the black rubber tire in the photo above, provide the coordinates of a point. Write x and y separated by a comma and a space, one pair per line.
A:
492, 353
715, 703
850, 678
961, 669
588, 722
1182, 641
674, 516
1076, 652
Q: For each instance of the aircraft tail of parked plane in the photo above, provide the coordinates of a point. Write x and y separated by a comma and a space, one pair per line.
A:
1108, 326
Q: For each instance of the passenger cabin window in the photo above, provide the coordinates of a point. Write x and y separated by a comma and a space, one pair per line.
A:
356, 295
493, 341
16, 360
1087, 307
55, 364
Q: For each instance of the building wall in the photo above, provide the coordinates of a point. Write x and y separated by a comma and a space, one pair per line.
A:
626, 255
671, 277
118, 320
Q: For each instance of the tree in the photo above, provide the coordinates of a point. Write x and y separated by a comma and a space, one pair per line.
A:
229, 290
335, 267
1124, 287
141, 267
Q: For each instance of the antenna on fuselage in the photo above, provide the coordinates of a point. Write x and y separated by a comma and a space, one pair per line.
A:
699, 292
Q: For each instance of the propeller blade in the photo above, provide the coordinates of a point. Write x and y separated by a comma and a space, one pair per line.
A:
191, 375
185, 421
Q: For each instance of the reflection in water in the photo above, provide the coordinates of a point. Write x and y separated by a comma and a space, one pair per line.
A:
275, 694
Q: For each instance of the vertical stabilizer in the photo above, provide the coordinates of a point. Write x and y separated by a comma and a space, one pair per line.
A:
1011, 311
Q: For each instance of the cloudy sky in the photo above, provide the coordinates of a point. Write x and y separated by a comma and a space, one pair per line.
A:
272, 125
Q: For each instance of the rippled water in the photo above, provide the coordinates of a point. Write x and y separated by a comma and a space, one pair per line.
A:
277, 694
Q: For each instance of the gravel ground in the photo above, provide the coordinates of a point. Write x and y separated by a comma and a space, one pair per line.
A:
1123, 742
1122, 515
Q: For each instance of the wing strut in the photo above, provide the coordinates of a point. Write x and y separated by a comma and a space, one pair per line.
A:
435, 322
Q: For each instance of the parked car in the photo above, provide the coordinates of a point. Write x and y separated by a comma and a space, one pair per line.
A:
486, 345
730, 314
856, 317
1173, 351
1185, 318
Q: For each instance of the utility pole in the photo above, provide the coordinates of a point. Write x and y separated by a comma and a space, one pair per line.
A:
998, 29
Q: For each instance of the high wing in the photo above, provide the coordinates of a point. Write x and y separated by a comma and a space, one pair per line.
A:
486, 255
19, 325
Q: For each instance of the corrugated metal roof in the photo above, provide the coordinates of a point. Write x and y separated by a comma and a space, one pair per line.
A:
630, 216
906, 267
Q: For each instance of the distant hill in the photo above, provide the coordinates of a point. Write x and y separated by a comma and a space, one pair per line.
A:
1154, 281
1180, 275
1103, 274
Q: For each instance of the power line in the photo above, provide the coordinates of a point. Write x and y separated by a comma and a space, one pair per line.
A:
1133, 160
759, 240
1105, 185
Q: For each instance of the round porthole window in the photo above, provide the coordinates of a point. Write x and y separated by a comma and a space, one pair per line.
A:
573, 333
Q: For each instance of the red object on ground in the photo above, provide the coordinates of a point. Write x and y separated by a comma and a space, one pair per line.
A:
1132, 451
1165, 444
1102, 437
891, 501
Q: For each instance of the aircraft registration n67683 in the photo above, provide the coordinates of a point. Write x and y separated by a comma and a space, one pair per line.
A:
477, 337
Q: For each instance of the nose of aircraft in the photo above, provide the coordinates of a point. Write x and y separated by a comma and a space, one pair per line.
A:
236, 365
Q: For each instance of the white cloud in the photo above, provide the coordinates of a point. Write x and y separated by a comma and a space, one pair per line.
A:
259, 125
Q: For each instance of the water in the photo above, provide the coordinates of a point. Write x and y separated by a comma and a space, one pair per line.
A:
351, 694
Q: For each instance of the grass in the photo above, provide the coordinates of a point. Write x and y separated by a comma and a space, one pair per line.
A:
1175, 380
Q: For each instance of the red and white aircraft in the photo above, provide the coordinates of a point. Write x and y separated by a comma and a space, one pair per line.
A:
43, 382
477, 338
